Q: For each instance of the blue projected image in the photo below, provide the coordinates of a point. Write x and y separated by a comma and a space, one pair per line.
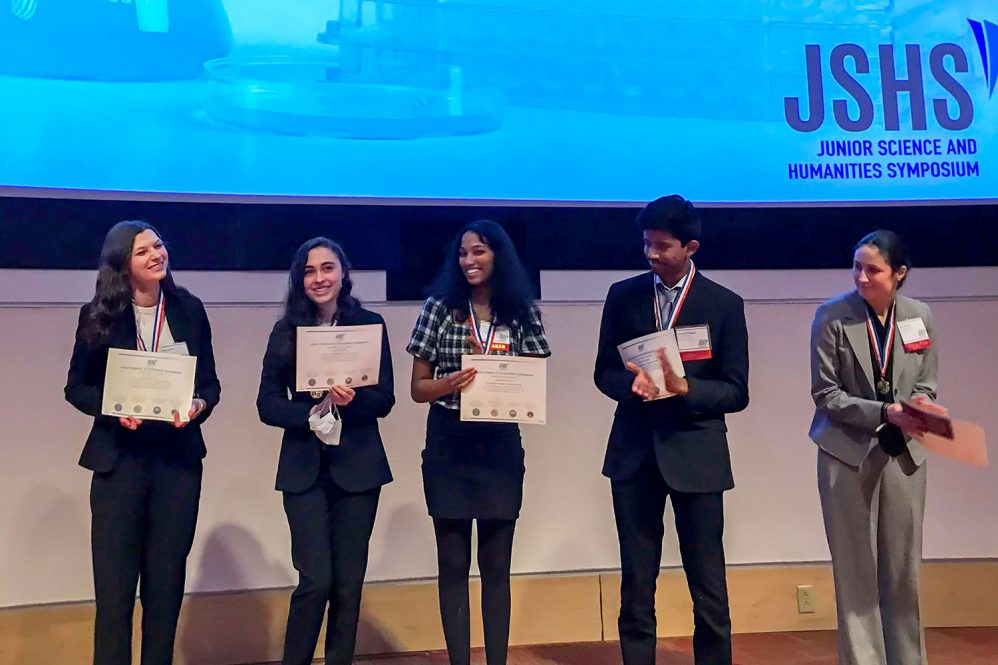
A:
551, 100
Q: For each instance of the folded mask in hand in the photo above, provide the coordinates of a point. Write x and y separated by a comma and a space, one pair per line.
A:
327, 426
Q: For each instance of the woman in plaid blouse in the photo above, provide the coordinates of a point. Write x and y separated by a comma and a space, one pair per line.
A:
471, 470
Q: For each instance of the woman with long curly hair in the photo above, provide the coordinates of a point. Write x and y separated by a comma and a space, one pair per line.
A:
481, 302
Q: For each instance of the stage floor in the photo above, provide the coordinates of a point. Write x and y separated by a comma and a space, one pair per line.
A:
946, 646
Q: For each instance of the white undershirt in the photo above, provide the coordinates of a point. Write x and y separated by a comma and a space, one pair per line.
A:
145, 321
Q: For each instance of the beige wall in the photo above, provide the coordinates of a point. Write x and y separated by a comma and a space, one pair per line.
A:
566, 525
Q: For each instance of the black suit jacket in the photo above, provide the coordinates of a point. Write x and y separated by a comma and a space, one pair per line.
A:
85, 386
359, 462
687, 434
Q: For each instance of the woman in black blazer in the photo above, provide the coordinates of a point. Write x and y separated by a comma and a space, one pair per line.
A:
147, 474
331, 489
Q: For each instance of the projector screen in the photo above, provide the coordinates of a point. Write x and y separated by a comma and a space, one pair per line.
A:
768, 102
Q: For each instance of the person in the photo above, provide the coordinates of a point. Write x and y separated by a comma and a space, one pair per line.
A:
473, 471
871, 474
146, 474
675, 447
330, 487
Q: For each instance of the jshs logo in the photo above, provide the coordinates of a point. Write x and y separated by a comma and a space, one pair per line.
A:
854, 85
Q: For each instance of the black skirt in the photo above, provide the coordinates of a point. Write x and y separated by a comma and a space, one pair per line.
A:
471, 470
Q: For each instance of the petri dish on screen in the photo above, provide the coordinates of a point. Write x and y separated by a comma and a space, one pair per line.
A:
374, 99
659, 58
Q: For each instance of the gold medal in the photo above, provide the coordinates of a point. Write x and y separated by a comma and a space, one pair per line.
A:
883, 387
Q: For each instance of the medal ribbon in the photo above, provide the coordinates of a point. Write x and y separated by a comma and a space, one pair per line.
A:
316, 394
157, 327
489, 336
676, 305
882, 353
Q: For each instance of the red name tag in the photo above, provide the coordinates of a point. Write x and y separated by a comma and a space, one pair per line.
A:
703, 354
914, 336
918, 346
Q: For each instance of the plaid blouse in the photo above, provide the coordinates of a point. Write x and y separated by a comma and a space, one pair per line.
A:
441, 341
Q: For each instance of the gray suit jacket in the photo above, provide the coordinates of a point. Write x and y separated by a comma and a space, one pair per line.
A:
847, 412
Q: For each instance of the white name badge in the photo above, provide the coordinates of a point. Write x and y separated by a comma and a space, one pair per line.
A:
177, 349
501, 340
694, 342
914, 336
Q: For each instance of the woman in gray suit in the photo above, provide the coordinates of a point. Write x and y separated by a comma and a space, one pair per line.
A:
870, 349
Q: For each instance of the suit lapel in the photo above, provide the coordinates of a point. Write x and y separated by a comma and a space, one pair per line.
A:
691, 312
859, 338
899, 355
345, 318
645, 302
176, 317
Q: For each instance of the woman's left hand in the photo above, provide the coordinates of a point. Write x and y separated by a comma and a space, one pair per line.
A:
197, 406
908, 424
477, 348
341, 395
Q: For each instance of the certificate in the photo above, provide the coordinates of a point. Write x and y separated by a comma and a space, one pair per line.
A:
506, 389
337, 355
146, 385
933, 420
968, 443
643, 352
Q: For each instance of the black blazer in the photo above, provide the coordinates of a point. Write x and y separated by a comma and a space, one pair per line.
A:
687, 434
85, 386
359, 462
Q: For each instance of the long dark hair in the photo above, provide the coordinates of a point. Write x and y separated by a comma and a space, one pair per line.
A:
512, 292
299, 310
113, 293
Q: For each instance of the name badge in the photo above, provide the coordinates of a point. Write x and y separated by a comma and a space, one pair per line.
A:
177, 349
914, 336
694, 342
501, 341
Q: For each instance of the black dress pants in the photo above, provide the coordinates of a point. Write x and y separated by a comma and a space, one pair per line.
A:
330, 533
639, 507
144, 513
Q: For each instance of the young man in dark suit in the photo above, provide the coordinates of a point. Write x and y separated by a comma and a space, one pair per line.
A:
673, 447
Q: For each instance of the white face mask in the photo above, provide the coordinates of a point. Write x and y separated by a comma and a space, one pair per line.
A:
327, 426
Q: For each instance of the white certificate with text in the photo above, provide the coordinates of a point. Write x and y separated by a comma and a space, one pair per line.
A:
337, 355
506, 389
148, 386
643, 352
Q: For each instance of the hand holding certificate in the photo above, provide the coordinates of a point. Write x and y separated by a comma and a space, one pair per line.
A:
506, 389
644, 352
932, 418
337, 355
148, 386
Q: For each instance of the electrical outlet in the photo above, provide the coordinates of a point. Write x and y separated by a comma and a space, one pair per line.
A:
805, 599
